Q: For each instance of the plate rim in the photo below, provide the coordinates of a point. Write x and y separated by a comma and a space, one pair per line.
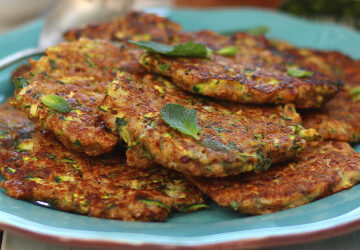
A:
248, 243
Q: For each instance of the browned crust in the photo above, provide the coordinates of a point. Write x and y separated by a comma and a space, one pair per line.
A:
79, 72
244, 138
221, 78
37, 167
318, 172
134, 26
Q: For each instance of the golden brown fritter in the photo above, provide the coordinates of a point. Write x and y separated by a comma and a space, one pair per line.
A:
79, 72
339, 119
220, 77
137, 156
136, 26
13, 125
250, 76
317, 172
330, 63
37, 167
233, 138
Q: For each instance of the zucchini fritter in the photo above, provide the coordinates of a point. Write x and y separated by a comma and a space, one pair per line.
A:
317, 172
136, 26
338, 119
38, 167
220, 77
79, 72
233, 138
255, 74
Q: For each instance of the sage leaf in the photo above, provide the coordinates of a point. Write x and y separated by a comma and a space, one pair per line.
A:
181, 119
189, 49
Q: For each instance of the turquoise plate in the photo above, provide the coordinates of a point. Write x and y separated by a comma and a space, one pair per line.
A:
215, 227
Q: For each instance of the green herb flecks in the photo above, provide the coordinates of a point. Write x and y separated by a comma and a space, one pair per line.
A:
57, 179
227, 51
181, 50
89, 62
68, 160
154, 203
181, 119
56, 102
164, 66
209, 51
258, 30
103, 108
234, 205
10, 170
193, 207
52, 63
299, 73
77, 143
196, 89
120, 122
255, 31
51, 156
214, 145
259, 136
355, 93
220, 130
20, 82
263, 162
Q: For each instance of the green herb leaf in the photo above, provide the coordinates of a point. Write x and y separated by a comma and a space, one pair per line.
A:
51, 156
258, 30
10, 170
227, 51
20, 82
52, 63
89, 62
181, 119
263, 162
77, 143
120, 121
56, 102
356, 98
355, 91
57, 179
214, 145
182, 50
164, 66
296, 72
234, 205
154, 203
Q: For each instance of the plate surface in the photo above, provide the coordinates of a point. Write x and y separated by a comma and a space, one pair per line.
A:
216, 227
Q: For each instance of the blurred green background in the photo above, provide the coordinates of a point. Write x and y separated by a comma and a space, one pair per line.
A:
344, 11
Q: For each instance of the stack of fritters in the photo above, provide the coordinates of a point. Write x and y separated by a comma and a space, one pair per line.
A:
38, 167
245, 107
